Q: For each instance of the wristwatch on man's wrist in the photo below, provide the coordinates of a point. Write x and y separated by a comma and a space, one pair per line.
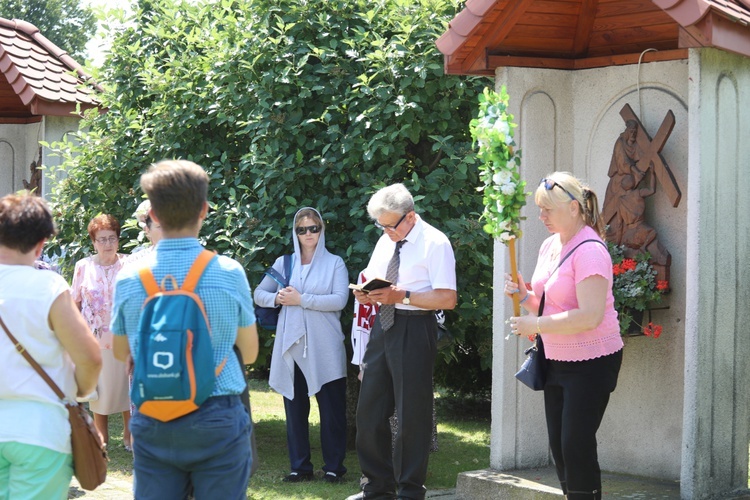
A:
406, 300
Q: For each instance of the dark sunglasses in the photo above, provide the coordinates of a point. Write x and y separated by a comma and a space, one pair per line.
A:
392, 228
549, 185
304, 229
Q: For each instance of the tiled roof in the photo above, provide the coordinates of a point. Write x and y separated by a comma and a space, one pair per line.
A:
38, 77
724, 24
577, 34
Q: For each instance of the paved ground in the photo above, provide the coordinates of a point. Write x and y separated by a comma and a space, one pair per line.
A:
112, 489
537, 484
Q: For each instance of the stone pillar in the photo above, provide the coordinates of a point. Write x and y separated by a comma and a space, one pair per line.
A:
717, 327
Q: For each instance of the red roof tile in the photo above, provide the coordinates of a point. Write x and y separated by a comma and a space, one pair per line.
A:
40, 78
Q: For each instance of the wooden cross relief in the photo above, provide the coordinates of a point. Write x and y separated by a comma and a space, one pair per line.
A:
635, 167
652, 152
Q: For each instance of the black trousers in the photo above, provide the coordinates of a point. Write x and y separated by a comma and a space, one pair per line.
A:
332, 405
575, 398
397, 375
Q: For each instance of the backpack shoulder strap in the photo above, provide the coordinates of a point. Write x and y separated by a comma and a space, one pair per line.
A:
148, 281
196, 270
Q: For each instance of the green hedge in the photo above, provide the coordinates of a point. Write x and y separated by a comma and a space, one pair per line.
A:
290, 103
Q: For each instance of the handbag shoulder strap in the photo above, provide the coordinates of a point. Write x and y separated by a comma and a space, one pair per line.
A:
281, 279
574, 249
23, 352
541, 301
287, 270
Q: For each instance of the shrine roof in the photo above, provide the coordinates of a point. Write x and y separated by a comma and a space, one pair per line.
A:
579, 34
38, 78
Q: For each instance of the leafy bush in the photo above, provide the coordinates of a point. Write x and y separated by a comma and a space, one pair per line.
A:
289, 104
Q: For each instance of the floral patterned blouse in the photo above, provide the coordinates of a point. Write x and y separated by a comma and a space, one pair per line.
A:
93, 287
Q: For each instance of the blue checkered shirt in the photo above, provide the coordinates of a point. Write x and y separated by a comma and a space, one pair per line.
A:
223, 289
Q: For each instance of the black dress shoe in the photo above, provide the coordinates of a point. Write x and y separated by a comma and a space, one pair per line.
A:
332, 477
298, 477
362, 495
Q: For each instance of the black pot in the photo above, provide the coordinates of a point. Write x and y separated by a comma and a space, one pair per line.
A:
636, 323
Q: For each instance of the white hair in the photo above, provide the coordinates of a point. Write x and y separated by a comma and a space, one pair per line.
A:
394, 198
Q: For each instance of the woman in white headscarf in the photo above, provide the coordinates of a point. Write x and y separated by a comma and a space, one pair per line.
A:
309, 357
150, 229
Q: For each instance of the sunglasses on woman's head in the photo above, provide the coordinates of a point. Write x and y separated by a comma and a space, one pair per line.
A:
304, 229
549, 185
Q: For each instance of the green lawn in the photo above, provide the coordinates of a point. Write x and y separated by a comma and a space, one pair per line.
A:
463, 438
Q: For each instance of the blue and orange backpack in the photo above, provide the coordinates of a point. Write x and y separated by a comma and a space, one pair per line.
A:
174, 370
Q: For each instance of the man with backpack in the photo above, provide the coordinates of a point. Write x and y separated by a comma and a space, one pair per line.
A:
179, 316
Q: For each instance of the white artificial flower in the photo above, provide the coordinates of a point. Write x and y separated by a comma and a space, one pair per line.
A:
511, 165
506, 236
502, 177
503, 127
508, 188
506, 225
508, 139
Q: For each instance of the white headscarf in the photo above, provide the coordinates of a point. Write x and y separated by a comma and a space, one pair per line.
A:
301, 280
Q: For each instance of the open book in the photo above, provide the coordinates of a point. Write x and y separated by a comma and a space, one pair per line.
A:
370, 285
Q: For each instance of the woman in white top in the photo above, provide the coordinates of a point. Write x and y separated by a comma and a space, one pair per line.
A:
38, 309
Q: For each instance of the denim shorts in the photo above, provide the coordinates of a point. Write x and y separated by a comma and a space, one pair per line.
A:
208, 449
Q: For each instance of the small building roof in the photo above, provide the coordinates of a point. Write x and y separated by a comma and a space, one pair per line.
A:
577, 34
38, 78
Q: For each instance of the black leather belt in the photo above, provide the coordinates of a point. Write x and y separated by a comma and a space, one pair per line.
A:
413, 312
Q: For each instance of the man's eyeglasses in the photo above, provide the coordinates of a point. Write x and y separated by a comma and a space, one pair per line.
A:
549, 184
304, 229
103, 241
392, 228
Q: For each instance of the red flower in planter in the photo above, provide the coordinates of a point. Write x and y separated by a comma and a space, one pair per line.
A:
635, 290
628, 265
652, 330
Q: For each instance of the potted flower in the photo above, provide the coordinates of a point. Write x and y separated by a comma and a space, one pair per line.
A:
636, 290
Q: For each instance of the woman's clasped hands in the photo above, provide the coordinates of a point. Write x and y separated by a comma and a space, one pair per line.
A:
288, 296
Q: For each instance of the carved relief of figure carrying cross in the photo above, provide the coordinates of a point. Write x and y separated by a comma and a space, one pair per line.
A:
635, 167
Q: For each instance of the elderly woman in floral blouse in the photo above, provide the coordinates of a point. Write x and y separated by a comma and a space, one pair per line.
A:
93, 286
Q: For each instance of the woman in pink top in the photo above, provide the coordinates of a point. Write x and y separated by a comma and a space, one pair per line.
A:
579, 328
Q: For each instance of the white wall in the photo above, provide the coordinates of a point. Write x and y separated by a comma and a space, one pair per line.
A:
56, 127
569, 120
19, 147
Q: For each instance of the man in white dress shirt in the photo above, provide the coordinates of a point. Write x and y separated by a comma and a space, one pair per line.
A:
401, 352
